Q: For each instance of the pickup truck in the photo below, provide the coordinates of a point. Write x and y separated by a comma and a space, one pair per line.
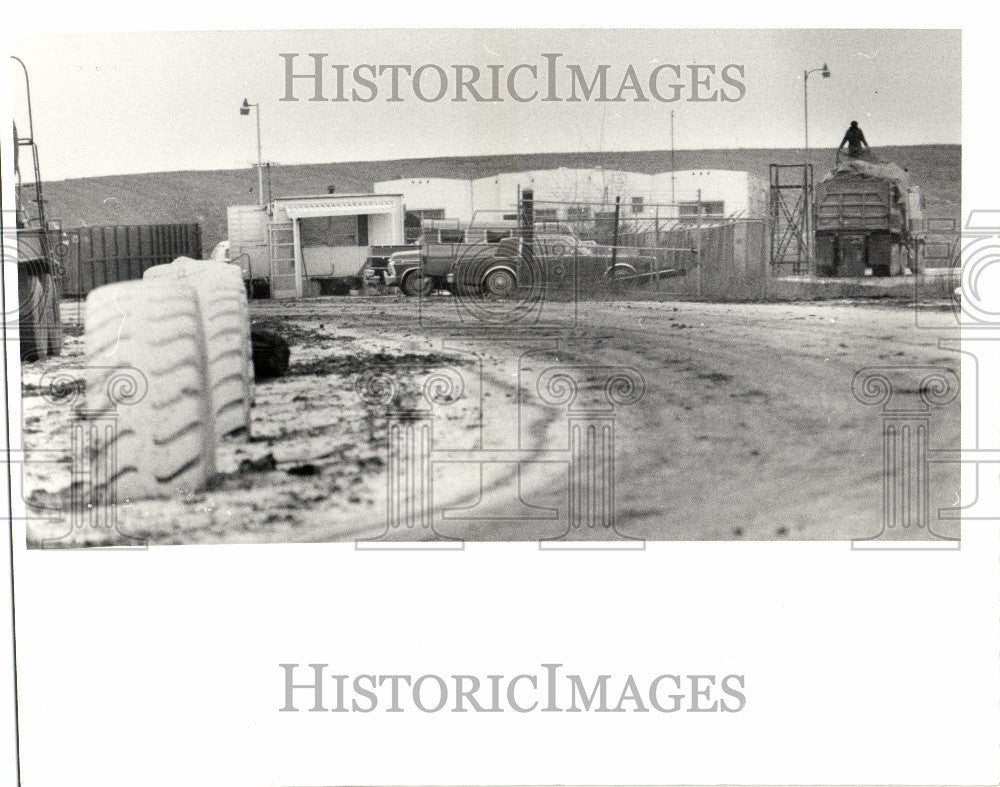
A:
373, 274
491, 265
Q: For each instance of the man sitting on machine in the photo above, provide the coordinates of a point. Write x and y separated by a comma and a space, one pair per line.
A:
854, 139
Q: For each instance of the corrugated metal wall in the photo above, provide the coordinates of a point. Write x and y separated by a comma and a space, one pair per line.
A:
108, 254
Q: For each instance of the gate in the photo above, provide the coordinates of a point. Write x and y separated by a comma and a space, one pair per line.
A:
939, 245
120, 252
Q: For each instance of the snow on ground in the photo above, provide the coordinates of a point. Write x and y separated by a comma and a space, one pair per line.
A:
746, 427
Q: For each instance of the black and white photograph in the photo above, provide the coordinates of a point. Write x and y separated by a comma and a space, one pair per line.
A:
499, 285
518, 394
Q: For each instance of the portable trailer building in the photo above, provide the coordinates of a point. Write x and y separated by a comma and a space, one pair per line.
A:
311, 245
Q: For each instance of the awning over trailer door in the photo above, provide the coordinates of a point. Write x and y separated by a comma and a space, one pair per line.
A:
304, 209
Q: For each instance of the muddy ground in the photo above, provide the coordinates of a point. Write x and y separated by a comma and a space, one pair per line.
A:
723, 421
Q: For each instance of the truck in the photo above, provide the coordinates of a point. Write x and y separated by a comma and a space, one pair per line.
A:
40, 243
869, 218
488, 261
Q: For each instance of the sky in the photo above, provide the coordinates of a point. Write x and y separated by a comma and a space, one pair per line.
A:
107, 104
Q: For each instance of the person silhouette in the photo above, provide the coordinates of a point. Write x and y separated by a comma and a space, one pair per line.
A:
854, 139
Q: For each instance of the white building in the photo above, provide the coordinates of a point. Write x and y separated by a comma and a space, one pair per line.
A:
297, 244
670, 195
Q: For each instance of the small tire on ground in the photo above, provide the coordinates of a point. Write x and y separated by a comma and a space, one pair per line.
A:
146, 391
271, 354
258, 289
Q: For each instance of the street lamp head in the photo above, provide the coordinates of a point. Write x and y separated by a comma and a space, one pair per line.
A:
245, 109
826, 71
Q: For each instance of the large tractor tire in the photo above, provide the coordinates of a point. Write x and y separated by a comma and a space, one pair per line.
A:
160, 272
226, 325
33, 327
146, 373
40, 324
55, 317
225, 316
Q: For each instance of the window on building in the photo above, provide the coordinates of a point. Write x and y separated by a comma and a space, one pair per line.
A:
546, 214
690, 209
334, 231
428, 213
578, 213
637, 204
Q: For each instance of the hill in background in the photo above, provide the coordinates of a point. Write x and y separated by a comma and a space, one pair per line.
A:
202, 196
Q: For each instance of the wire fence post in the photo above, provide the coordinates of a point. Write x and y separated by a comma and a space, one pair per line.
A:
697, 245
612, 282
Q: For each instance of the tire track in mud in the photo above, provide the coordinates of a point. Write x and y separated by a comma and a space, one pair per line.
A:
765, 439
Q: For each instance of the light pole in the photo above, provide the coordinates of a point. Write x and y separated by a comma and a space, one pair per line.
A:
806, 190
245, 110
825, 71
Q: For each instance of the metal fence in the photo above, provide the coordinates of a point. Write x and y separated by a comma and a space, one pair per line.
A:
651, 250
113, 253
939, 247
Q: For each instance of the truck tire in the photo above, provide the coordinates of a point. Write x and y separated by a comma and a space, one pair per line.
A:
147, 336
32, 325
416, 285
225, 316
619, 273
499, 283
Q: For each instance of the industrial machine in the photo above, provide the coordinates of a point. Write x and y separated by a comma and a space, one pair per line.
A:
38, 268
869, 217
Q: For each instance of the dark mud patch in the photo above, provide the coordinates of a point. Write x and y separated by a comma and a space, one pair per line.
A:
292, 331
753, 393
346, 365
716, 378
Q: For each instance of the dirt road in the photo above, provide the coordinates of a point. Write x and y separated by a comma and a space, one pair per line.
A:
722, 421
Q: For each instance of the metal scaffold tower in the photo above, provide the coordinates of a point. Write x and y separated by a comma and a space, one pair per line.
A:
790, 213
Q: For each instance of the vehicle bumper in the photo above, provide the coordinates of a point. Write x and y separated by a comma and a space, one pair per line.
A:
371, 278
